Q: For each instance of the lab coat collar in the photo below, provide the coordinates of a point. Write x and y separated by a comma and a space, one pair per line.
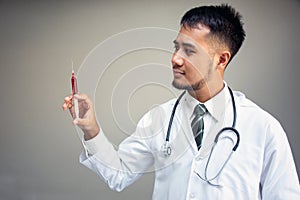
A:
215, 105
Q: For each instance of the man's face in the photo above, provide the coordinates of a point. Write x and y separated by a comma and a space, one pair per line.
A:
192, 60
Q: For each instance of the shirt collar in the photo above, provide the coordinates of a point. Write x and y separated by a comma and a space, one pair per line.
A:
215, 106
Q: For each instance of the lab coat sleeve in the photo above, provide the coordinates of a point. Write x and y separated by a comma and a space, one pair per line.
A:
279, 179
119, 168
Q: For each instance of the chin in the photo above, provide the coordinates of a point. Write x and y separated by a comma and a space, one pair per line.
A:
186, 86
181, 86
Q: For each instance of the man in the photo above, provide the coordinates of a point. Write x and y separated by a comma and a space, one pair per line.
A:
187, 163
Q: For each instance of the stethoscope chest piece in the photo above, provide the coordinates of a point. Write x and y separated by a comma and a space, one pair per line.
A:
166, 149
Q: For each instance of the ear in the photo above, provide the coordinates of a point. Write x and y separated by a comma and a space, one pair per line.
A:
223, 60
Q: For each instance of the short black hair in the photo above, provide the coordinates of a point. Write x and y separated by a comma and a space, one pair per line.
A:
223, 21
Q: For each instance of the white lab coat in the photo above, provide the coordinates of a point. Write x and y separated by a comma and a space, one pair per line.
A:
261, 168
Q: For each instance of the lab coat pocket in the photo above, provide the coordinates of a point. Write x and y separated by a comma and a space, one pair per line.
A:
210, 167
241, 174
167, 155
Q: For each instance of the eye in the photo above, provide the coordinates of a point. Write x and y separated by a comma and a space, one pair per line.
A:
189, 51
176, 48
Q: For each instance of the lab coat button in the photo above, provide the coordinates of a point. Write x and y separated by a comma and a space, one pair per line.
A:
192, 195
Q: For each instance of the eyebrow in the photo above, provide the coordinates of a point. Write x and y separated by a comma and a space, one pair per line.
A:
185, 44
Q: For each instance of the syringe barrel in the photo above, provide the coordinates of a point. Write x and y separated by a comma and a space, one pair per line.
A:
74, 84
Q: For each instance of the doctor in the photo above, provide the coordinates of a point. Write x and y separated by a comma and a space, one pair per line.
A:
194, 161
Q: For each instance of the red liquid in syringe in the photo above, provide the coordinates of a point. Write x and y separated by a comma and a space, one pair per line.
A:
74, 83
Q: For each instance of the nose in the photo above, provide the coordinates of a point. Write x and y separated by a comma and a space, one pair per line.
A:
177, 59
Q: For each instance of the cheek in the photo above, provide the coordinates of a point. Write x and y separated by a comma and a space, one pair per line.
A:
195, 68
201, 63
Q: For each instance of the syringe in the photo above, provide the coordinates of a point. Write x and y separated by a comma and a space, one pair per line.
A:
74, 91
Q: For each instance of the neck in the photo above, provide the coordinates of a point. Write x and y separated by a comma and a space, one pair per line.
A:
207, 92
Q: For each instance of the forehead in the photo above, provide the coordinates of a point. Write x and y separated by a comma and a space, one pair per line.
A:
195, 36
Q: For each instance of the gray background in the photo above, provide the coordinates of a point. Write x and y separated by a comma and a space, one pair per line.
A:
39, 147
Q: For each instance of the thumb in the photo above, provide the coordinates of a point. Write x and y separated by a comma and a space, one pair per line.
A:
80, 122
90, 129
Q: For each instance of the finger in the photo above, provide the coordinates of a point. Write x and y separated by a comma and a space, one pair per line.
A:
72, 112
64, 106
83, 97
79, 122
67, 105
70, 104
68, 98
84, 105
67, 102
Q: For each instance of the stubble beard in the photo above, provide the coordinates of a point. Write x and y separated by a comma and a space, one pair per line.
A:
195, 86
189, 87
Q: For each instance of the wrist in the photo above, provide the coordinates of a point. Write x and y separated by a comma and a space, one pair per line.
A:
89, 134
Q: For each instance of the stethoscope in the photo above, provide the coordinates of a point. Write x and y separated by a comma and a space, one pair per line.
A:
167, 150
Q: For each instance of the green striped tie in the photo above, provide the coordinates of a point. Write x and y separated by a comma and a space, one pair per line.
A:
198, 124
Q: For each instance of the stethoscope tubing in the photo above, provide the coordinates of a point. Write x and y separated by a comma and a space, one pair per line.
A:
232, 128
172, 116
226, 128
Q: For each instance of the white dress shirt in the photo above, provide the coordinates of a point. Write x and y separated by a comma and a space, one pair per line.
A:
262, 167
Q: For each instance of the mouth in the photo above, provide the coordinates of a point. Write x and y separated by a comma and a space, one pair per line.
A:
177, 72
